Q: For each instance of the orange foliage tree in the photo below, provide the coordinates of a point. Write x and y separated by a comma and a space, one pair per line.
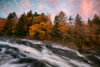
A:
41, 31
2, 26
41, 28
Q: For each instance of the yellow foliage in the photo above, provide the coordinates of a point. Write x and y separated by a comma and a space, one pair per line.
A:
35, 20
42, 30
29, 18
64, 27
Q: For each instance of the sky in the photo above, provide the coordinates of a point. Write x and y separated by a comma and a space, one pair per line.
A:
85, 8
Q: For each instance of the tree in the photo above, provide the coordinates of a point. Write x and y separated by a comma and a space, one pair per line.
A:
35, 14
9, 25
42, 18
64, 31
71, 30
96, 29
70, 19
90, 32
20, 29
41, 30
78, 32
62, 16
35, 18
29, 21
78, 20
29, 14
96, 19
57, 32
2, 25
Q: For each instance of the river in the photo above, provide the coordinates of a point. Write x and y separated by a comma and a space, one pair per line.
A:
32, 53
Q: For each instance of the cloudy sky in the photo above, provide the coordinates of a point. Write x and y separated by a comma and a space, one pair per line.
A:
86, 8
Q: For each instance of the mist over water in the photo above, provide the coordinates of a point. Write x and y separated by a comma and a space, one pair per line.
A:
31, 53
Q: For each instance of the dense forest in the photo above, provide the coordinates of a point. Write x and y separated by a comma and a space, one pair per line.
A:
67, 30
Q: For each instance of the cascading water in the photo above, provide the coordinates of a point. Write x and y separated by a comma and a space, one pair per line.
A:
31, 53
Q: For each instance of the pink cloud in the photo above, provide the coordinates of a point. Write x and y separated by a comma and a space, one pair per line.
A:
52, 16
57, 10
54, 13
70, 1
41, 6
26, 11
94, 12
97, 7
53, 2
26, 3
87, 7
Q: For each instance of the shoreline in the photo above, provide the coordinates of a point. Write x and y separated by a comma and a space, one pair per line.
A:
69, 45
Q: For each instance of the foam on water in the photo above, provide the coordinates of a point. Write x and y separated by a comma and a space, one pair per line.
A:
45, 55
66, 48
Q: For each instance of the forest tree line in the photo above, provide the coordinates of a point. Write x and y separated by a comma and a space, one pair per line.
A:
65, 29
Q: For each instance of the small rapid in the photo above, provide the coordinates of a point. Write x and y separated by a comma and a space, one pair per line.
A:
32, 53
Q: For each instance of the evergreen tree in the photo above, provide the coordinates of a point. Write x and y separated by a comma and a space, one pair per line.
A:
90, 32
9, 24
62, 17
20, 29
35, 14
55, 31
96, 19
70, 19
78, 32
96, 23
71, 30
78, 20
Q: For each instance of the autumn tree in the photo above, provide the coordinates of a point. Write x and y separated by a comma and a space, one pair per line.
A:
64, 31
35, 14
40, 31
42, 18
35, 18
39, 18
41, 28
2, 25
59, 20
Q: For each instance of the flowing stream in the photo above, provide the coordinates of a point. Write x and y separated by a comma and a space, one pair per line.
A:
31, 53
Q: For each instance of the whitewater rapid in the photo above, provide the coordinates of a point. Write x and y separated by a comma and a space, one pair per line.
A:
33, 53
